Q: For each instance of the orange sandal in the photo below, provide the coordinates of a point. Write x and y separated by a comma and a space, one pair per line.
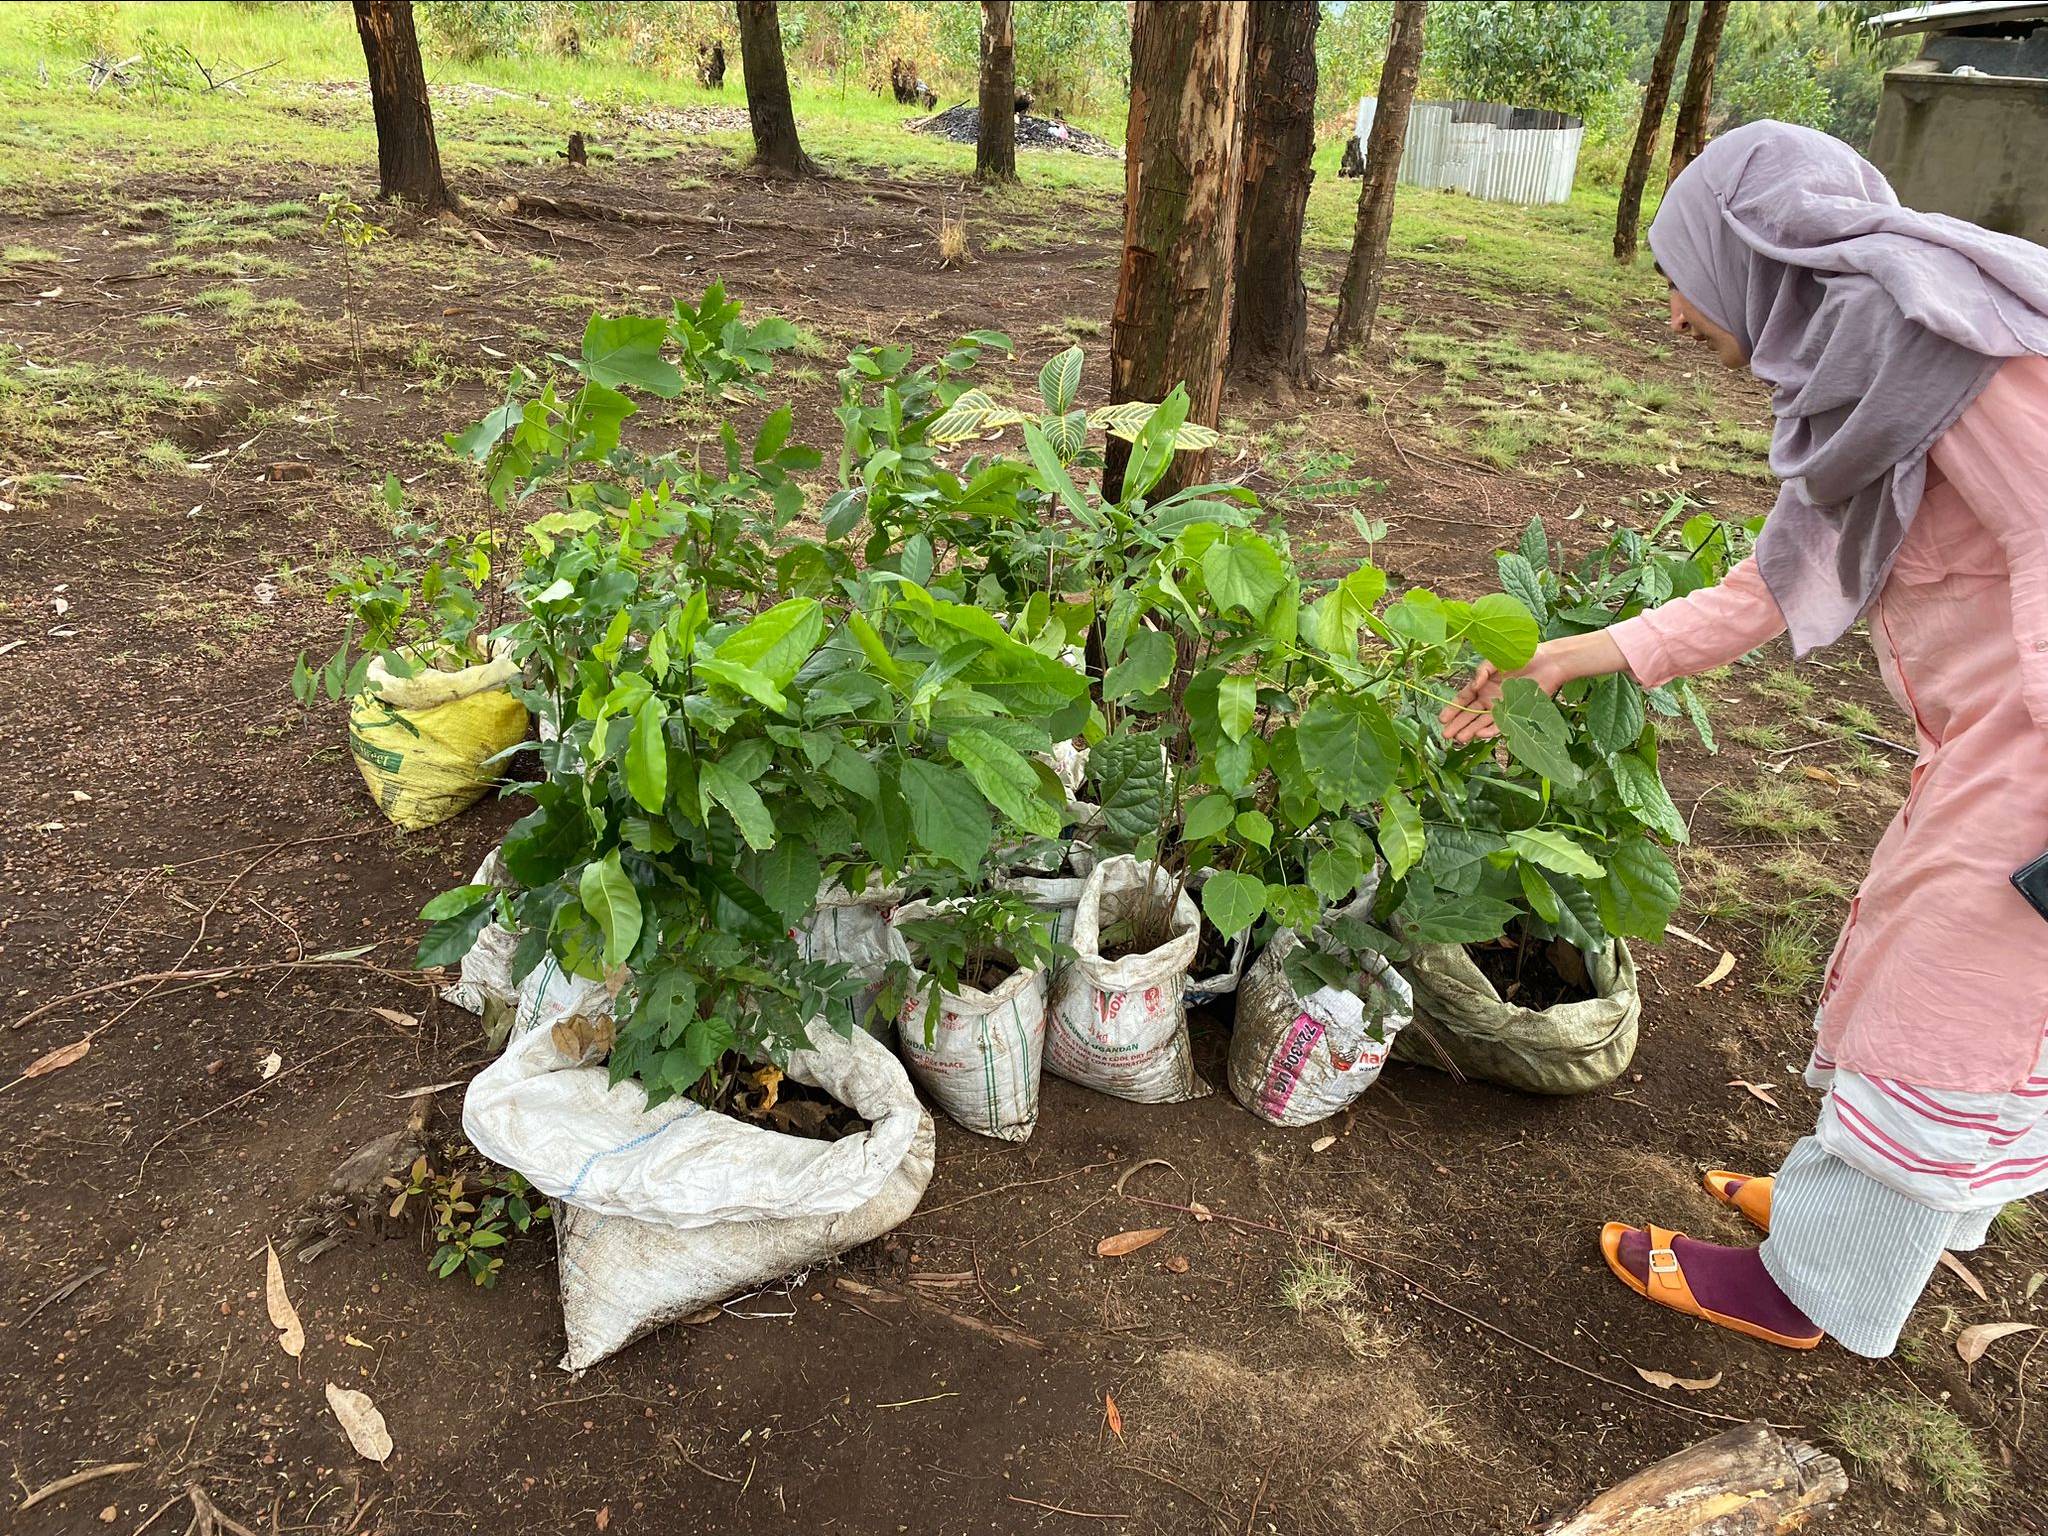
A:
1752, 1196
1667, 1286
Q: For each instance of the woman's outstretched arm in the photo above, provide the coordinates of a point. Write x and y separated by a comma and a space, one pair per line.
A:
1706, 629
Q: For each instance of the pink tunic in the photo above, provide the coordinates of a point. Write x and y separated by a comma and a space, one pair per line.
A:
1940, 979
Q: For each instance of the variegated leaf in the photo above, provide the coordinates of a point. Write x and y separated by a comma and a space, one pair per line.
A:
1059, 381
1127, 419
973, 414
1068, 434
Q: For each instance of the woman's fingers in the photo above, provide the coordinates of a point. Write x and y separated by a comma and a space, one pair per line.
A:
1469, 716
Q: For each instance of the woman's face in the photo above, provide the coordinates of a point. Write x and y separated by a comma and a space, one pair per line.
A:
1689, 322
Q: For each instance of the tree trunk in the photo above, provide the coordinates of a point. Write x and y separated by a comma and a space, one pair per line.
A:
408, 159
1747, 1482
995, 144
1358, 302
1182, 181
1269, 331
1630, 214
776, 150
1689, 136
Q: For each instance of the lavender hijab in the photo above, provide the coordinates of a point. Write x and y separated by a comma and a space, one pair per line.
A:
1875, 327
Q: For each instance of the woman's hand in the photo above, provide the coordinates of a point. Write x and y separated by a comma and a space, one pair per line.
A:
1469, 717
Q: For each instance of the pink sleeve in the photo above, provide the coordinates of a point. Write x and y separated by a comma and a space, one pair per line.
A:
1703, 630
1996, 457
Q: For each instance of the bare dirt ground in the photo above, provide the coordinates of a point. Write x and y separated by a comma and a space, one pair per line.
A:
171, 811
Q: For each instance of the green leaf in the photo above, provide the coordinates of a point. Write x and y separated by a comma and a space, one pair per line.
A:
647, 755
1152, 449
1207, 816
1233, 901
948, 816
1334, 874
448, 940
1243, 571
1052, 476
1535, 731
1642, 791
1460, 920
1640, 892
741, 800
773, 434
596, 415
1349, 748
1237, 704
1401, 837
1614, 713
972, 414
1503, 631
884, 825
1554, 850
1255, 827
1007, 780
1519, 580
608, 896
454, 903
1146, 665
626, 349
1343, 610
1535, 546
790, 877
1067, 434
1129, 774
1537, 892
777, 642
1059, 381
1127, 419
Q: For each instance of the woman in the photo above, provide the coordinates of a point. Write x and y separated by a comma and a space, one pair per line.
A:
1905, 356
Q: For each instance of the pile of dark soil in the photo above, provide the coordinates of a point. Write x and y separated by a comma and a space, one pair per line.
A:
962, 124
1534, 973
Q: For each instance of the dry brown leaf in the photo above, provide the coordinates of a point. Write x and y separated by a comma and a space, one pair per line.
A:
1821, 775
355, 1343
1961, 1271
393, 1016
1129, 1242
63, 1056
1720, 971
1322, 1144
1178, 1264
2034, 1284
604, 1517
1760, 1091
270, 1066
703, 1315
1201, 1212
1113, 1414
1974, 1340
1666, 1381
291, 1336
360, 1421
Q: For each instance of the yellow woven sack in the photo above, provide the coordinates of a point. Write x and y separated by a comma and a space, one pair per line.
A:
421, 742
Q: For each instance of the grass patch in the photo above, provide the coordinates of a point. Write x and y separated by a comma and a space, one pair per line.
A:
27, 255
1783, 686
1912, 1442
85, 419
1806, 877
1767, 737
1315, 1282
1781, 807
232, 264
1792, 957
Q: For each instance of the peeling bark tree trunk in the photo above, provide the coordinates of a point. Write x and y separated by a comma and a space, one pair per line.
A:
1269, 331
1655, 95
995, 144
1689, 135
1182, 180
1358, 302
408, 159
1747, 1482
776, 149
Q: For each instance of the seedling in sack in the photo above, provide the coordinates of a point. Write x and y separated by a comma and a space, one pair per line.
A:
973, 942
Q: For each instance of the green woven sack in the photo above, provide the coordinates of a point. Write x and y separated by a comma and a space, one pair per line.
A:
1571, 1048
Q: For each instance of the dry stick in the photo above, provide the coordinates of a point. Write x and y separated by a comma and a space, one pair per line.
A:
90, 1474
1215, 1509
1061, 1509
1457, 1311
217, 973
1258, 1498
1020, 1184
62, 1291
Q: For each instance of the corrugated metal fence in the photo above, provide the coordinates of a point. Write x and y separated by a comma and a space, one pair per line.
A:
1504, 154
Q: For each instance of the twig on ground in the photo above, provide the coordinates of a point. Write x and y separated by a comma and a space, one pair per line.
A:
1251, 1518
219, 973
78, 1479
997, 1331
1061, 1509
240, 1098
62, 1291
1002, 1189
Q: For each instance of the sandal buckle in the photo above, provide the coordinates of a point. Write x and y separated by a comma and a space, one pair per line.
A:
1663, 1261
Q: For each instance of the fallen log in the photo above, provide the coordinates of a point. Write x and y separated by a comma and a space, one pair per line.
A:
1744, 1482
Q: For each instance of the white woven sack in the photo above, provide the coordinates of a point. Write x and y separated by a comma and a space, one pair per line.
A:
1295, 1060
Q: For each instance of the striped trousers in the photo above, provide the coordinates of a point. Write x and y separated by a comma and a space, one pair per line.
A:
1854, 1254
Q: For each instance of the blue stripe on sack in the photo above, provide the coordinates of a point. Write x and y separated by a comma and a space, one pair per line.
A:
624, 1146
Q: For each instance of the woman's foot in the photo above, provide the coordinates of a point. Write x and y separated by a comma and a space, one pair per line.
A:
1750, 1196
1726, 1286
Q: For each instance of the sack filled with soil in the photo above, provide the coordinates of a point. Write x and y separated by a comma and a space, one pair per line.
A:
1530, 1041
1297, 1059
1119, 1020
663, 1211
424, 744
982, 1058
845, 929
